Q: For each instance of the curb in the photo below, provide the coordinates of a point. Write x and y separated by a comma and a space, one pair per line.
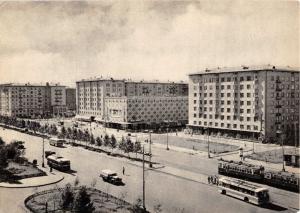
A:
30, 186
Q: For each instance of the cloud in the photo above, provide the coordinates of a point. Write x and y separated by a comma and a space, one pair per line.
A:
67, 41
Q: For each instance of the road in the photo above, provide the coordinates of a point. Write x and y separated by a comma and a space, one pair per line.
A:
174, 193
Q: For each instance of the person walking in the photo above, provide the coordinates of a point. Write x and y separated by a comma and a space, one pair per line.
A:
123, 170
208, 179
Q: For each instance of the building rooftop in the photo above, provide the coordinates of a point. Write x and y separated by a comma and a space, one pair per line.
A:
245, 69
132, 81
30, 85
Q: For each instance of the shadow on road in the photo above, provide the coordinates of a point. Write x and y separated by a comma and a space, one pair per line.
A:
275, 207
71, 172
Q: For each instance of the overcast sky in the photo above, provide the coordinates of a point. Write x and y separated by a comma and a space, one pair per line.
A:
67, 41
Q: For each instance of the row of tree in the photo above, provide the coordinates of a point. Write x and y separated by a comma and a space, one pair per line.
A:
125, 145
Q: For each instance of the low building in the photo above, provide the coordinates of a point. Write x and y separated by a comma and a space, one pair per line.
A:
31, 100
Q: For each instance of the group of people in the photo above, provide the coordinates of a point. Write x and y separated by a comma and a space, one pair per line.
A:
213, 179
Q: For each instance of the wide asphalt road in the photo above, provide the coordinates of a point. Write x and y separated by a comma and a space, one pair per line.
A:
174, 193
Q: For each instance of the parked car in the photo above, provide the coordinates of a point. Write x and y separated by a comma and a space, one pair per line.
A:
110, 176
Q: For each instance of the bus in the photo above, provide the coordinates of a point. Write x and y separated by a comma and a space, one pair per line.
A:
59, 163
243, 190
56, 142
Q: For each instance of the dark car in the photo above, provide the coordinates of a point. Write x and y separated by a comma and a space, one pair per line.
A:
47, 153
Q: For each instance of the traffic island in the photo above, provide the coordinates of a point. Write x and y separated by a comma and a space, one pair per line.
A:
33, 181
69, 199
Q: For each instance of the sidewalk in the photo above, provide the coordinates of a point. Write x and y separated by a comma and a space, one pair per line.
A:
51, 178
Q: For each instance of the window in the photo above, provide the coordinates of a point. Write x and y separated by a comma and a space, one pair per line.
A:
228, 117
248, 86
248, 118
228, 102
228, 86
241, 86
241, 95
228, 94
195, 94
248, 78
248, 103
228, 109
241, 103
241, 78
248, 95
241, 118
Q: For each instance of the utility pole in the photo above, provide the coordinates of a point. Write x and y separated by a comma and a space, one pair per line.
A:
150, 152
144, 207
208, 153
167, 138
43, 155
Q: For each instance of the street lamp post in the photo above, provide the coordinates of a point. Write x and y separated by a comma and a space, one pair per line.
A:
150, 152
208, 153
144, 206
280, 136
43, 155
167, 138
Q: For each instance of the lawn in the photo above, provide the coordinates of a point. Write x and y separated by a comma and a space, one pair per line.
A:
272, 156
102, 201
195, 144
15, 171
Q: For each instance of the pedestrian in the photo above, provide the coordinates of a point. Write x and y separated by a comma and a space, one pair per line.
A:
208, 179
123, 170
50, 168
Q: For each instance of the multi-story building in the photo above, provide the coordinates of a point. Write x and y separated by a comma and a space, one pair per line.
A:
71, 99
245, 101
132, 104
32, 101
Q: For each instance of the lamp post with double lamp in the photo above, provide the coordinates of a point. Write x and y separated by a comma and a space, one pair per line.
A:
279, 135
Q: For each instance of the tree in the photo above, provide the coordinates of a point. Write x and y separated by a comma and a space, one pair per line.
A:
67, 197
128, 146
106, 140
137, 147
92, 141
83, 203
86, 136
122, 144
113, 142
98, 141
63, 132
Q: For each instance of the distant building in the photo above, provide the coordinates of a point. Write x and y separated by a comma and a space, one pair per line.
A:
132, 104
245, 102
32, 101
71, 99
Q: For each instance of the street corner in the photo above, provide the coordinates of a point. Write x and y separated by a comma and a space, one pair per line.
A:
49, 179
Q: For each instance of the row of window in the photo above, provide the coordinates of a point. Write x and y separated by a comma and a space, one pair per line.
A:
222, 117
211, 87
222, 102
234, 126
240, 95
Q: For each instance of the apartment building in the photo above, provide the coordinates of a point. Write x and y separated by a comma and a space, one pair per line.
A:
132, 104
259, 102
71, 99
31, 100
